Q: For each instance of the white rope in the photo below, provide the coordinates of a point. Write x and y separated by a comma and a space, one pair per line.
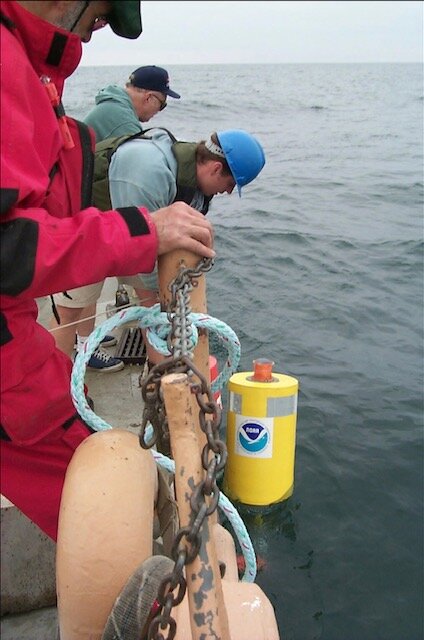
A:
152, 319
96, 315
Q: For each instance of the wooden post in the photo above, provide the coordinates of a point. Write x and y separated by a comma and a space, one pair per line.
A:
208, 616
168, 267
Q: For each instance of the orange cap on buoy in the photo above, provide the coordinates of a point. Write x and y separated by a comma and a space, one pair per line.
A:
262, 370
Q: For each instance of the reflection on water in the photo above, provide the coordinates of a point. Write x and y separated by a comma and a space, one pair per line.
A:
285, 566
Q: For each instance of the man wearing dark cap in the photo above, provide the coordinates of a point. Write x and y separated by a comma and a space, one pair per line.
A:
52, 239
120, 110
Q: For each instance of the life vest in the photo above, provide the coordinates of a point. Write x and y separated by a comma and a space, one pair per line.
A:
184, 153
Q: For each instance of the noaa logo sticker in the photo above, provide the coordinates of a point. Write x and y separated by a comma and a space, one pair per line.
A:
254, 438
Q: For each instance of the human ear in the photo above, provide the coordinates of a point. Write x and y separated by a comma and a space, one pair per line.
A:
217, 168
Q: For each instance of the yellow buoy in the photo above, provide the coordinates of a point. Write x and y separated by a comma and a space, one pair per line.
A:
261, 435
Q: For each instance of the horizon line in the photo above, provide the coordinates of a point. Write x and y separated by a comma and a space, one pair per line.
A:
199, 64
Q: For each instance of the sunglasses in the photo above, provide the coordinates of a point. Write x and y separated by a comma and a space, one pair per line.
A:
161, 102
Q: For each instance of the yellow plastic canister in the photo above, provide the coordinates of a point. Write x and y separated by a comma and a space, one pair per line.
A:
261, 435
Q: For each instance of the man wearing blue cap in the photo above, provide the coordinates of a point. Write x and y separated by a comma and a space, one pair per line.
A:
156, 170
121, 110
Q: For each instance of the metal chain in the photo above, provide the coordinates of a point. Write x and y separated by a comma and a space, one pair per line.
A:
179, 344
205, 497
179, 339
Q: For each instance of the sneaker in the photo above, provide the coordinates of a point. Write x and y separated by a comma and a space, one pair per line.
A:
109, 341
101, 361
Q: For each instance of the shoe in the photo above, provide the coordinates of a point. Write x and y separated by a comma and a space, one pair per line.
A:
101, 361
109, 341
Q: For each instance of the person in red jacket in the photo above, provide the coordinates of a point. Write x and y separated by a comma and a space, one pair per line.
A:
53, 240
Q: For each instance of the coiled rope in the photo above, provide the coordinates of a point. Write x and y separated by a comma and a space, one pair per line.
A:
157, 327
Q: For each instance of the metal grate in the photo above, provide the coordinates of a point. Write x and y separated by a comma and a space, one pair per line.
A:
131, 348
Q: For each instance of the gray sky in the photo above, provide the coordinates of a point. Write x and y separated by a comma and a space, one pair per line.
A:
204, 32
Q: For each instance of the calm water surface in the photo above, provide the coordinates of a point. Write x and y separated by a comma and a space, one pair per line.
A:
320, 267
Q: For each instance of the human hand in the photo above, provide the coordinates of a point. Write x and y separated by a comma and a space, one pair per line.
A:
179, 226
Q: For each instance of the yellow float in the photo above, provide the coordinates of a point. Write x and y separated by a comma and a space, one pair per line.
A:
261, 435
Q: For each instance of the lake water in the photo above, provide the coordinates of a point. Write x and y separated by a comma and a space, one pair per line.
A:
320, 268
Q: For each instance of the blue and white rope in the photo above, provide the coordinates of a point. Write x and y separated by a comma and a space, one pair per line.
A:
157, 327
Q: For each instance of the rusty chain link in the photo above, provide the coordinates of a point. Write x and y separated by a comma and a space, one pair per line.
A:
205, 497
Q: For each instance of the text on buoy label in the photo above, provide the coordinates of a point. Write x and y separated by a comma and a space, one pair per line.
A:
254, 438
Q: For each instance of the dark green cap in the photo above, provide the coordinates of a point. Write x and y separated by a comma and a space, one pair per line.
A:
125, 18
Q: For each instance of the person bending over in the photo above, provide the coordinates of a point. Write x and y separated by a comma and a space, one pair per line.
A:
121, 110
156, 170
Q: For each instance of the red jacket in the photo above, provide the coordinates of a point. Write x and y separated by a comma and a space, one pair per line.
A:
49, 241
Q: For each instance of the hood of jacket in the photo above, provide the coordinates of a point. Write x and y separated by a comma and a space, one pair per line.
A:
115, 93
187, 187
185, 153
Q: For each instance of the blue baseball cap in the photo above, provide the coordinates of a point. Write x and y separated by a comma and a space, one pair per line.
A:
152, 78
